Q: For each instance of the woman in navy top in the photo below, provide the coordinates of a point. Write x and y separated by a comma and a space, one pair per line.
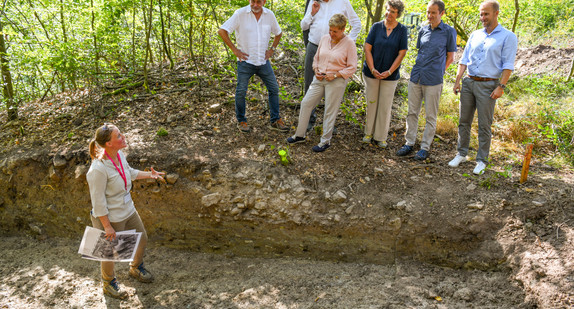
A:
385, 48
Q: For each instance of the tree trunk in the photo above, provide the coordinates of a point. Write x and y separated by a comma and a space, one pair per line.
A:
378, 11
7, 88
376, 16
459, 30
65, 38
97, 58
516, 12
134, 65
571, 71
163, 39
190, 34
148, 49
39, 20
369, 16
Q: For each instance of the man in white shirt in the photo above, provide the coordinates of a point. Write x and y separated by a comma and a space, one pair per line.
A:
316, 20
253, 26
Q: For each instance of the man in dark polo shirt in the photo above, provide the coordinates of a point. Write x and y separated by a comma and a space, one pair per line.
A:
436, 46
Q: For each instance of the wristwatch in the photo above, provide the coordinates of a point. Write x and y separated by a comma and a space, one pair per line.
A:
503, 86
273, 48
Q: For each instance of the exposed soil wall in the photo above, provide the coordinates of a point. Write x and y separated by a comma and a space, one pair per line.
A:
250, 209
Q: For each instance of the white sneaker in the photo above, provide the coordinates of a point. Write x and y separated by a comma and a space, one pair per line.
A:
457, 161
480, 167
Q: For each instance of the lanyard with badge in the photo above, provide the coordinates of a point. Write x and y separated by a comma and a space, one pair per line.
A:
127, 197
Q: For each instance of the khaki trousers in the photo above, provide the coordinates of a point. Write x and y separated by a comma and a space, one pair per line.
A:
333, 92
417, 94
133, 222
379, 95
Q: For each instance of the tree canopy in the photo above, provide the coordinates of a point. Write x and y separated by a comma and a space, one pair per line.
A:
51, 46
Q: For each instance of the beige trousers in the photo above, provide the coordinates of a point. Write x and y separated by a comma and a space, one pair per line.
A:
379, 95
333, 92
431, 96
133, 222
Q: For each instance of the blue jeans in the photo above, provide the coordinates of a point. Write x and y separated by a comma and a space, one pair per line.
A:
265, 72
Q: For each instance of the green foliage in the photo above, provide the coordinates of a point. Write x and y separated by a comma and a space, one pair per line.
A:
162, 132
353, 106
557, 126
492, 179
546, 86
284, 156
547, 20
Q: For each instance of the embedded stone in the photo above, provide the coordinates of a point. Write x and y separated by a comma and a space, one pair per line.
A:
53, 174
171, 178
339, 196
395, 224
210, 199
477, 205
80, 172
59, 161
260, 205
36, 229
214, 108
464, 294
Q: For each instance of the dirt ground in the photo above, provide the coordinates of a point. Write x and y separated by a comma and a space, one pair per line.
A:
536, 237
50, 275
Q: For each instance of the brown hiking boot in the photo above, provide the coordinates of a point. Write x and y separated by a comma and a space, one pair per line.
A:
141, 274
112, 289
243, 127
279, 125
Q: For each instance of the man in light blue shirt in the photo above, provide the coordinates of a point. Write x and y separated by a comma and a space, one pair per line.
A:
489, 57
436, 44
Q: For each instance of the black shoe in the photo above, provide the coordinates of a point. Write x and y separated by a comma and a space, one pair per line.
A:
405, 150
421, 155
321, 147
295, 139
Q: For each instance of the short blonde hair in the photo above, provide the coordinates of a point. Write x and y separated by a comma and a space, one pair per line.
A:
338, 21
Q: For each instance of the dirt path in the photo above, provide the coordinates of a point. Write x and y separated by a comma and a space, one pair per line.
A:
49, 274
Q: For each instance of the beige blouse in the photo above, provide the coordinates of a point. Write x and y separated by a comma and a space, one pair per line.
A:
340, 59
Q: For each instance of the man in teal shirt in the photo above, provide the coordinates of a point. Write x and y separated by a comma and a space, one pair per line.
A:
436, 44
